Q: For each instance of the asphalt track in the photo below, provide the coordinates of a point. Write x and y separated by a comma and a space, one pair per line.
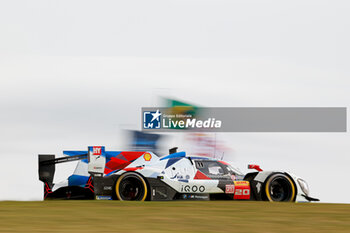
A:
184, 216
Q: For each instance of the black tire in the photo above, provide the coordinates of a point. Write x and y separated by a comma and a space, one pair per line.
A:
279, 188
131, 186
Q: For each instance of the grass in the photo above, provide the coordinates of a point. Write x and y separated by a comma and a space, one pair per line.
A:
184, 216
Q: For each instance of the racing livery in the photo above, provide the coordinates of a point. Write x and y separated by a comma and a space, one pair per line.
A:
142, 175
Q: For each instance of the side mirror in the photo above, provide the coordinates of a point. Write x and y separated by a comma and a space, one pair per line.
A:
172, 150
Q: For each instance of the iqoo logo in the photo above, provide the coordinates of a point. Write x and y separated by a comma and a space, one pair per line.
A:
194, 188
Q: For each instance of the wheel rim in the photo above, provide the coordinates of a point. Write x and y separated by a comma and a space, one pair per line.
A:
279, 189
131, 188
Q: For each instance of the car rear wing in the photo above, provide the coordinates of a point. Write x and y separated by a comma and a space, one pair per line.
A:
96, 163
47, 165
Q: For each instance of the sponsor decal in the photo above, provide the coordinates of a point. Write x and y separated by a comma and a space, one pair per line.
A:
107, 188
194, 188
99, 197
230, 188
96, 150
96, 160
147, 156
242, 190
198, 197
242, 183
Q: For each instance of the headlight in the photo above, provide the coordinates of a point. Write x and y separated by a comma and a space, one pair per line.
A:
304, 186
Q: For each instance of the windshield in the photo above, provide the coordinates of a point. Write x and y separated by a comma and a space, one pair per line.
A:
236, 171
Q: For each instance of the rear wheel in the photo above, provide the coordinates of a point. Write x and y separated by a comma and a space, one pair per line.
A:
131, 187
280, 187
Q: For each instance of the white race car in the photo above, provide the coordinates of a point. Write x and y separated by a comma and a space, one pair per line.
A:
140, 176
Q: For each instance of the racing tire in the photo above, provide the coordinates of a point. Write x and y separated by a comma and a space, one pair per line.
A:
131, 186
280, 188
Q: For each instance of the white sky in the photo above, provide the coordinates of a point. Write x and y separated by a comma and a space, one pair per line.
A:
72, 73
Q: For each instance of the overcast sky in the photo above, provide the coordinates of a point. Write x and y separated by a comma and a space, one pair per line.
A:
74, 73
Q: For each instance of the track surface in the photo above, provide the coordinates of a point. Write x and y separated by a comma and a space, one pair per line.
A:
196, 216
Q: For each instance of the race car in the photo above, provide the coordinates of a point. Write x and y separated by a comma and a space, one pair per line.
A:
142, 175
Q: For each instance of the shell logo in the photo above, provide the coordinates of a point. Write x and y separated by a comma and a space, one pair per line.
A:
147, 156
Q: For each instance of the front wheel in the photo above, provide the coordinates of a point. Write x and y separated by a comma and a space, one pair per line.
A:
131, 187
280, 187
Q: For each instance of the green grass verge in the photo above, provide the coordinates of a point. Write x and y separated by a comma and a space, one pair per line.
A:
184, 216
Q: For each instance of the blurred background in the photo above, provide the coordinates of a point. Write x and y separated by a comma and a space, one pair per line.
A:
76, 73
